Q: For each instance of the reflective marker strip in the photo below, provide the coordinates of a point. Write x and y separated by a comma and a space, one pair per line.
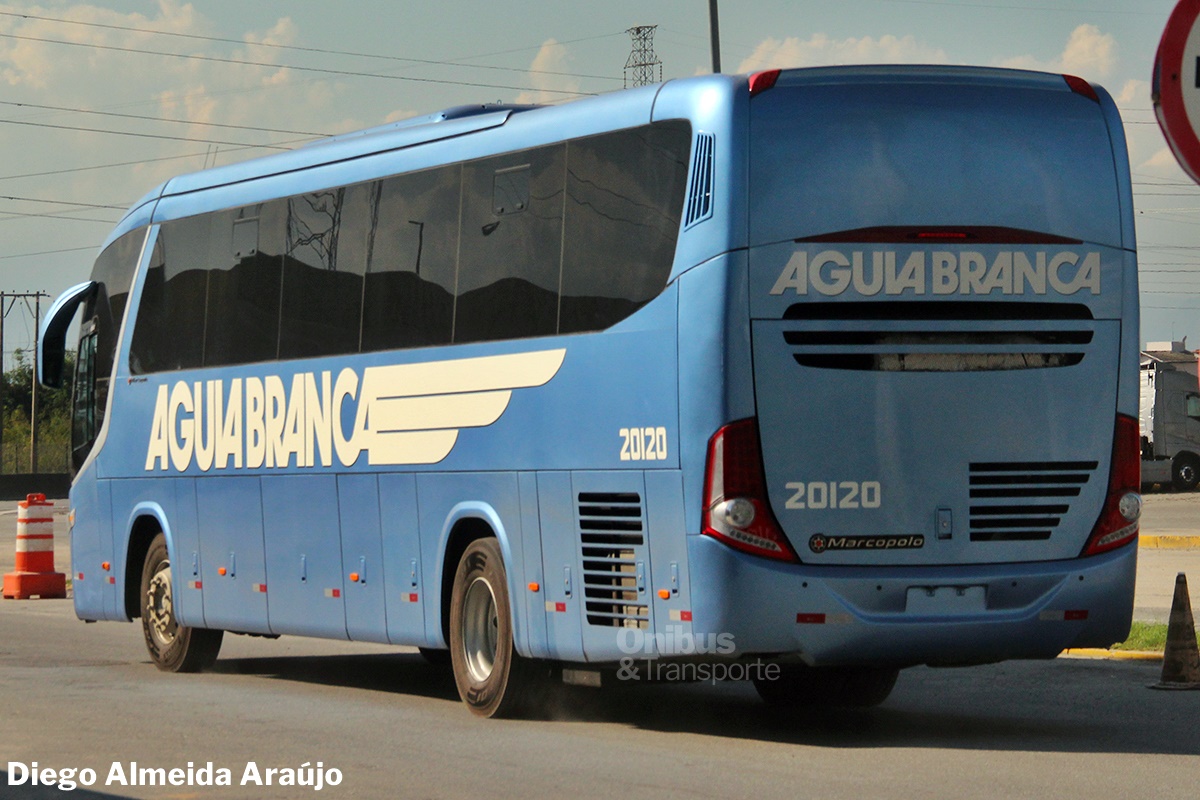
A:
35, 542
409, 597
195, 585
260, 587
112, 580
333, 592
1077, 615
823, 619
680, 616
555, 607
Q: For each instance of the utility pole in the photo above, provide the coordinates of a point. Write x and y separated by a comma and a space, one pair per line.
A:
33, 397
642, 61
714, 35
8, 301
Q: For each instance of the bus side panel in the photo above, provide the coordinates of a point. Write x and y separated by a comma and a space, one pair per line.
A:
303, 555
668, 553
362, 555
231, 554
406, 593
132, 500
447, 500
185, 557
91, 546
561, 597
532, 603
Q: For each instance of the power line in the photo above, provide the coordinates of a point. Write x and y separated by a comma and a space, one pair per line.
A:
62, 202
269, 65
160, 119
325, 51
31, 124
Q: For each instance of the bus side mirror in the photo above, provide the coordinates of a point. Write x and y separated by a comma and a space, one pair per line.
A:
53, 338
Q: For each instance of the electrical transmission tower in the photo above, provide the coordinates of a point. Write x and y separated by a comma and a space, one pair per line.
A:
639, 67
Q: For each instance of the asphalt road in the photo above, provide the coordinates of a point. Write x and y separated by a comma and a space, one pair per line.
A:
85, 697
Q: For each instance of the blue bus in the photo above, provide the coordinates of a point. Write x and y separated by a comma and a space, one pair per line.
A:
831, 371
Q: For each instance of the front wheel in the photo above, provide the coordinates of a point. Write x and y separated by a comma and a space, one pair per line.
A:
493, 679
173, 647
797, 686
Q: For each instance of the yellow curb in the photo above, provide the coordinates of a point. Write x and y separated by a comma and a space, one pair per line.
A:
1169, 542
1116, 655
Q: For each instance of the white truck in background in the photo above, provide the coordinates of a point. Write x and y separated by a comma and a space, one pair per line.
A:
1170, 416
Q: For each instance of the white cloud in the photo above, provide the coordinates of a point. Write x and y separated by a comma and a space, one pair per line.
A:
549, 87
1088, 53
820, 49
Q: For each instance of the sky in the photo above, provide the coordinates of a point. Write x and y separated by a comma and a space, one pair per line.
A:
100, 102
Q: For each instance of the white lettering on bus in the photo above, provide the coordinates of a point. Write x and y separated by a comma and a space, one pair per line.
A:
406, 413
832, 272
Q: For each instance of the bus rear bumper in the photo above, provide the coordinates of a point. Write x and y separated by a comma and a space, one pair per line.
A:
945, 615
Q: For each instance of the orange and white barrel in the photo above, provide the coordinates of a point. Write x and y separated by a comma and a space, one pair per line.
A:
34, 574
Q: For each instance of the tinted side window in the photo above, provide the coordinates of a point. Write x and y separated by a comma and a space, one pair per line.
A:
113, 274
169, 331
322, 274
246, 267
625, 193
511, 247
412, 236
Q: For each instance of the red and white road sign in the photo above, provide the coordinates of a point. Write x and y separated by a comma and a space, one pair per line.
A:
1176, 85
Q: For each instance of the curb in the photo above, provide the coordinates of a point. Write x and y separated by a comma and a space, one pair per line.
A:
1112, 655
1169, 542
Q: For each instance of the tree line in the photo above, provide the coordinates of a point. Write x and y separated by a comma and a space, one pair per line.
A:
53, 412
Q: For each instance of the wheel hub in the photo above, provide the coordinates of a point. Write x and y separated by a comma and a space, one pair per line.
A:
480, 629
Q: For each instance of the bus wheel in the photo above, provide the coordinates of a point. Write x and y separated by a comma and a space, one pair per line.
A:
494, 680
798, 686
173, 647
1185, 472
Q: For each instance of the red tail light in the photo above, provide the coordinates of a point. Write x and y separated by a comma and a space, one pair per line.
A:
1118, 523
761, 81
1082, 87
736, 510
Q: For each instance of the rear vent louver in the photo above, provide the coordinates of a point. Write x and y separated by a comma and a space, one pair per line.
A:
923, 337
1020, 501
612, 540
700, 193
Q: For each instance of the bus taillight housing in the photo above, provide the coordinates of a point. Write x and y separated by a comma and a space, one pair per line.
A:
1118, 523
736, 510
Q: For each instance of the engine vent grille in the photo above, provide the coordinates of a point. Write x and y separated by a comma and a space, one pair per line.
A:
1020, 501
612, 537
700, 192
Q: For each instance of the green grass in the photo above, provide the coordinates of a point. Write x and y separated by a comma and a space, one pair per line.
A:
1145, 636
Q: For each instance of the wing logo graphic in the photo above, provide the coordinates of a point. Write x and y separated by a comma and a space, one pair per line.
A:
400, 414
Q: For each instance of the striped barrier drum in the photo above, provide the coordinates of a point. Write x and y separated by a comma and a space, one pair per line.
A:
34, 574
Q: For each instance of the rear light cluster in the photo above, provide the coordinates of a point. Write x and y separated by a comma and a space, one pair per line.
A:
1118, 523
736, 510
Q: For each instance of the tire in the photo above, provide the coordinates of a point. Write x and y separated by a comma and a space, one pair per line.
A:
798, 686
172, 647
1185, 472
435, 657
493, 679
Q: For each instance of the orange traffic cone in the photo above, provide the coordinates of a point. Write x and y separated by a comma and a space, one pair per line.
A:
1181, 659
35, 575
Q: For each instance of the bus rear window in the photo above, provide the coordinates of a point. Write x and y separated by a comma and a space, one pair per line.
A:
846, 156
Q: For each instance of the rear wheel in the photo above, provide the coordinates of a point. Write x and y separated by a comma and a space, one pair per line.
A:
172, 647
798, 686
493, 679
1185, 472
